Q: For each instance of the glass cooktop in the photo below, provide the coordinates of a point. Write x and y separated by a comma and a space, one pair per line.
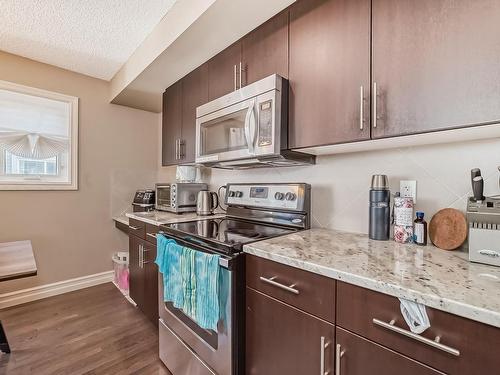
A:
227, 235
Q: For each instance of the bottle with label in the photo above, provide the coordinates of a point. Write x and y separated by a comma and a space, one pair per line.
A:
420, 229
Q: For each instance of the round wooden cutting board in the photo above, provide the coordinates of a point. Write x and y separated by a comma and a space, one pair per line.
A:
448, 229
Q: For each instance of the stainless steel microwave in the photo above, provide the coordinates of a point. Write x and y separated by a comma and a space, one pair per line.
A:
178, 197
247, 128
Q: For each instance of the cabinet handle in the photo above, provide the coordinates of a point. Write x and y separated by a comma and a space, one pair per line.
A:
140, 256
177, 149
361, 108
374, 105
324, 345
271, 281
144, 262
241, 75
434, 343
151, 235
339, 353
181, 149
235, 84
133, 228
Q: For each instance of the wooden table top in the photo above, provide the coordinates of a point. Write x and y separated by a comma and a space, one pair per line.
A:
16, 260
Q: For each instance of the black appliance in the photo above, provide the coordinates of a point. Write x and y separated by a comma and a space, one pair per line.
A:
255, 212
144, 200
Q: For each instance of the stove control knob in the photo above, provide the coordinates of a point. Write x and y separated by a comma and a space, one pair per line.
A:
232, 194
290, 196
279, 196
239, 194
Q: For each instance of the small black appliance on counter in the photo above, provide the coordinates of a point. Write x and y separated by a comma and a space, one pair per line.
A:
144, 200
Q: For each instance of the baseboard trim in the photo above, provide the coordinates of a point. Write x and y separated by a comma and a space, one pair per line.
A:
19, 297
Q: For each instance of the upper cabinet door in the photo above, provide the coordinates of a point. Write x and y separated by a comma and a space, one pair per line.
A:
435, 64
194, 94
223, 71
171, 124
264, 51
329, 72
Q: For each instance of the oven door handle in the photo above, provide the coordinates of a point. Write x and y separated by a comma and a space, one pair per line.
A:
224, 262
251, 127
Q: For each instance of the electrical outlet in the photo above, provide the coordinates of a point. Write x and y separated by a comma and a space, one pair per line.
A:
408, 189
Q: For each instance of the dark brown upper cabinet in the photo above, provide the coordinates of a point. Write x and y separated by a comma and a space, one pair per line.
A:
329, 72
171, 124
194, 94
179, 116
223, 71
264, 51
435, 65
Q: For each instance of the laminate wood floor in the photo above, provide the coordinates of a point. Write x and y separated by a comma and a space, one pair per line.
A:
90, 331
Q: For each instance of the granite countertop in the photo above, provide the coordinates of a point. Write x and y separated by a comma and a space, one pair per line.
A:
162, 217
437, 278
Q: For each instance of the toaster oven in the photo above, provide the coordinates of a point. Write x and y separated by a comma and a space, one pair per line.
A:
178, 197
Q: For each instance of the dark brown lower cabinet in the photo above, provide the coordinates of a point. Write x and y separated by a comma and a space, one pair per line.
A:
150, 269
143, 277
358, 356
281, 339
136, 279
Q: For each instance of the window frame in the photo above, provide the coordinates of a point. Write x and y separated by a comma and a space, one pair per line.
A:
72, 165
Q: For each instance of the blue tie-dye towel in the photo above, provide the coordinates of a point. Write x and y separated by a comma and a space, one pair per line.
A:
191, 281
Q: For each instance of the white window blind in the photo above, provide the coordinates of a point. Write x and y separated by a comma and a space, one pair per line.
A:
38, 138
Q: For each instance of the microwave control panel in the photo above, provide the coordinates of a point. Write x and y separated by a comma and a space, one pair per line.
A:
265, 123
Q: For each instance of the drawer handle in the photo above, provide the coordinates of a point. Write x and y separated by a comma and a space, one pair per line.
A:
434, 343
271, 281
151, 235
133, 228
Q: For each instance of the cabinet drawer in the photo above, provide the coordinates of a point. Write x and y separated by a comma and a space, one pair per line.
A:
307, 291
151, 231
137, 228
358, 356
358, 307
177, 356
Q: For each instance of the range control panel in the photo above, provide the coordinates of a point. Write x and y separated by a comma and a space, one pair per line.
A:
278, 196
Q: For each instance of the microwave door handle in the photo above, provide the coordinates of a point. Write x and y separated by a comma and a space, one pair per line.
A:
251, 128
247, 128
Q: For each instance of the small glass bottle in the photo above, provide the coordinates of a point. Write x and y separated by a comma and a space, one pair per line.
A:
420, 229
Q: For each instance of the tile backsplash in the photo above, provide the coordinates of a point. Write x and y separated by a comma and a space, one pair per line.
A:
340, 183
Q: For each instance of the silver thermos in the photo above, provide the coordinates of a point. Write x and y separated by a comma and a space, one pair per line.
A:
380, 208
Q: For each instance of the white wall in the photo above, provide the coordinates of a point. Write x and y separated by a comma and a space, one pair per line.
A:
340, 183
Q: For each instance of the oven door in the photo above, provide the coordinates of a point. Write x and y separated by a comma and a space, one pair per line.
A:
163, 197
243, 130
186, 348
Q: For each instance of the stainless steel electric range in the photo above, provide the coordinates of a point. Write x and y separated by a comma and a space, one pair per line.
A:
255, 212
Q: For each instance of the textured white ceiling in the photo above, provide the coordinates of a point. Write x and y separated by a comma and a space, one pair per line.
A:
93, 37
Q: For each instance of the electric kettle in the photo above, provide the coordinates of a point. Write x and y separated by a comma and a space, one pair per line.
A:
206, 203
